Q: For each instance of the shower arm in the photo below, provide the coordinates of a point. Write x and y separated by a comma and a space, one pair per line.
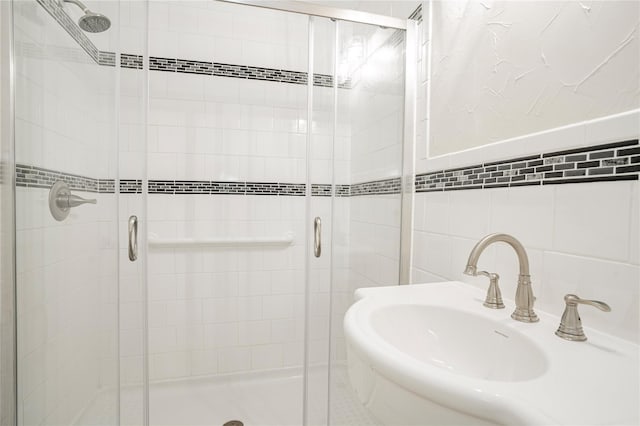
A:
78, 3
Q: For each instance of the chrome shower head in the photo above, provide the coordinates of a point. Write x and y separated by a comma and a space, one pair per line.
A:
91, 22
94, 22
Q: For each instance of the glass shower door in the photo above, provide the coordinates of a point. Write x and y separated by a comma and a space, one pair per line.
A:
227, 225
366, 203
66, 216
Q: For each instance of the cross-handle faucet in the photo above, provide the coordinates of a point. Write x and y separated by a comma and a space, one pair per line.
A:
524, 295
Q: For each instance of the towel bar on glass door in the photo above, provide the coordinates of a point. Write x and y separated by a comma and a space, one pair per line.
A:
285, 240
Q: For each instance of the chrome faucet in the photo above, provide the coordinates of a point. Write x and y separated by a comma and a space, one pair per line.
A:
524, 295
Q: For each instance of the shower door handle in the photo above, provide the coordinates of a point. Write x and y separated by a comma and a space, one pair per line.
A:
317, 237
133, 238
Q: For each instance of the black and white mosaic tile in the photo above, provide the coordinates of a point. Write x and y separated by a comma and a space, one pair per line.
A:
378, 187
343, 190
608, 162
231, 70
321, 189
38, 177
130, 186
176, 187
131, 61
107, 59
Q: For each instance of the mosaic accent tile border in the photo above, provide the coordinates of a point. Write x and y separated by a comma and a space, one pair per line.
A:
606, 162
131, 61
416, 15
343, 190
130, 186
231, 70
321, 189
106, 186
58, 13
381, 187
176, 187
107, 59
378, 187
38, 177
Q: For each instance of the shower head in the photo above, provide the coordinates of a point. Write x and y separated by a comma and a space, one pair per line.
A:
94, 22
91, 22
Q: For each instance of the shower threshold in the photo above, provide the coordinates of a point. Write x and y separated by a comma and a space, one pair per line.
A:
256, 399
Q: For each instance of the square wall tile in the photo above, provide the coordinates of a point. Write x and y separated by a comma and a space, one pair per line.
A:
593, 220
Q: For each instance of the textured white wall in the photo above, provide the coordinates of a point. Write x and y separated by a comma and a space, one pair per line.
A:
503, 69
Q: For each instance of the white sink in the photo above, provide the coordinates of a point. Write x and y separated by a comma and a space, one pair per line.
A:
460, 342
432, 354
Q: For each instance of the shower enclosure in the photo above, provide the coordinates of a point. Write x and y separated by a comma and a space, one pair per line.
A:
247, 167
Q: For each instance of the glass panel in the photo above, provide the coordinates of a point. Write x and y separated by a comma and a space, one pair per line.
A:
227, 173
67, 268
133, 102
370, 120
7, 222
321, 155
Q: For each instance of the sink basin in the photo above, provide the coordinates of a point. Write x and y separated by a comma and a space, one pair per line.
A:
460, 342
431, 354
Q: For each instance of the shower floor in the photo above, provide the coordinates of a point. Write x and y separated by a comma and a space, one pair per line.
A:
263, 399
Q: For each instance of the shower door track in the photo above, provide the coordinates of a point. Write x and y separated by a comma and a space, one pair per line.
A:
327, 12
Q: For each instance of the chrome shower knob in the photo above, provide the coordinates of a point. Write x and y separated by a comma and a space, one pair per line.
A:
61, 200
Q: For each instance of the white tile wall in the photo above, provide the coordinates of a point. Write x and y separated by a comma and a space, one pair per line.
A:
225, 310
67, 304
227, 135
227, 33
376, 111
581, 238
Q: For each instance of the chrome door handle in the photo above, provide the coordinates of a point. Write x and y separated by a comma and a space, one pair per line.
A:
133, 238
317, 237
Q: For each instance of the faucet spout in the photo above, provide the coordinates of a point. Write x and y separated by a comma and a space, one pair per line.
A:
524, 295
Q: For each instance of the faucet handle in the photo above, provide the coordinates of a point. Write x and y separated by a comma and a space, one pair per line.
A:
571, 325
494, 297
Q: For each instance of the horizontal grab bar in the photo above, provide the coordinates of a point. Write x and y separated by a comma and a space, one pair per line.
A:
285, 240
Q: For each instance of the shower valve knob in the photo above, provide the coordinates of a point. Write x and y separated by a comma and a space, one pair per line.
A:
61, 200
